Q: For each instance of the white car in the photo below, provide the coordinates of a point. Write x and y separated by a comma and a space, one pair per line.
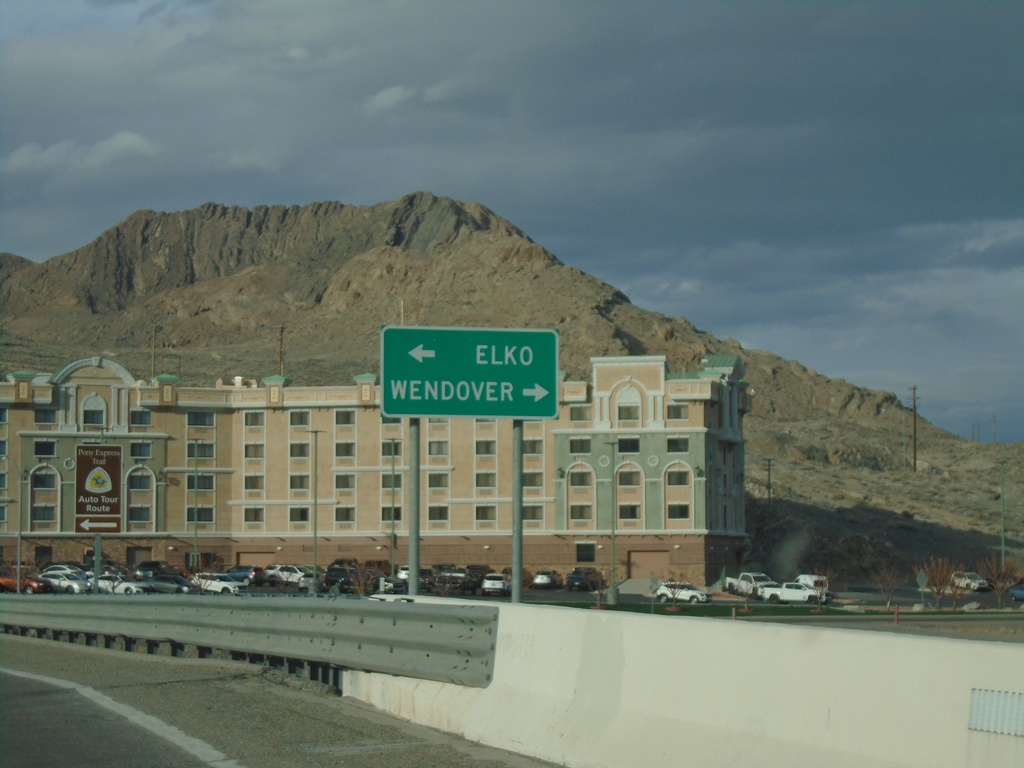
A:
970, 581
680, 592
547, 580
113, 585
284, 574
217, 583
71, 583
495, 584
61, 568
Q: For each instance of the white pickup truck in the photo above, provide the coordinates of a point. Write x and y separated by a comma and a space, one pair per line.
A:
793, 592
749, 584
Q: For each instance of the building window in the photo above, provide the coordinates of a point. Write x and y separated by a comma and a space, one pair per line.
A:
3, 513
197, 450
344, 417
581, 512
678, 445
298, 450
298, 515
46, 415
679, 411
140, 418
389, 514
252, 514
140, 450
486, 447
202, 514
533, 512
254, 450
586, 553
94, 417
486, 513
346, 482
580, 478
298, 418
201, 481
390, 419
533, 479
343, 515
44, 481
579, 445
629, 512
44, 513
437, 514
3, 415
486, 480
579, 413
45, 448
389, 448
3, 447
254, 418
629, 445
437, 480
3, 481
344, 450
677, 477
199, 419
629, 413
678, 511
138, 514
140, 481
388, 481
253, 482
533, 447
629, 478
437, 448
298, 482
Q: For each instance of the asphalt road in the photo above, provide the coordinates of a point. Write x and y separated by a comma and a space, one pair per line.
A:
70, 705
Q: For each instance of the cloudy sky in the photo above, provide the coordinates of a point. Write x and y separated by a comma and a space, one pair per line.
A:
841, 183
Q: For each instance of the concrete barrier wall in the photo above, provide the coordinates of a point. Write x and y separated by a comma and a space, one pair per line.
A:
602, 688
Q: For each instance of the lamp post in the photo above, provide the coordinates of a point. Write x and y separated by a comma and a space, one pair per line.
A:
1002, 517
393, 440
316, 462
613, 597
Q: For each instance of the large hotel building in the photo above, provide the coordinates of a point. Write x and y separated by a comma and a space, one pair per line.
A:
640, 461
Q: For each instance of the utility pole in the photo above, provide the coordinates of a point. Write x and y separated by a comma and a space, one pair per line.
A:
913, 438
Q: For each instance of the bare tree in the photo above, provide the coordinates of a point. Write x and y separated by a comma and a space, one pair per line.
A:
887, 578
1000, 576
939, 572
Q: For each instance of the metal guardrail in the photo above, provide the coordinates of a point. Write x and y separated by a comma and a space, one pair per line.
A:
452, 644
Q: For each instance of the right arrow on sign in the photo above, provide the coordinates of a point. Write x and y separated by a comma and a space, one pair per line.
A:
419, 353
536, 392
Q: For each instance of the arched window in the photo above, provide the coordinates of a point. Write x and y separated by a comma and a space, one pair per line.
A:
94, 411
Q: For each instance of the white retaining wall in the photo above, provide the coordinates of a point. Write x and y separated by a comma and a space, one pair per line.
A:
594, 688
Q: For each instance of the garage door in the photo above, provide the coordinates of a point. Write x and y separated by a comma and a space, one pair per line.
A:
643, 563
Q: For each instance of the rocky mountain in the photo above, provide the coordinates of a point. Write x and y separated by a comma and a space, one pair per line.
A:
222, 291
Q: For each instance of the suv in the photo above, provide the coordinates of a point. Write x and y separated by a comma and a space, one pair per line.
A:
584, 578
248, 574
342, 578
150, 568
283, 574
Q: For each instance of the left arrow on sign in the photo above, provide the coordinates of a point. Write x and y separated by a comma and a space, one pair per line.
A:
419, 353
88, 525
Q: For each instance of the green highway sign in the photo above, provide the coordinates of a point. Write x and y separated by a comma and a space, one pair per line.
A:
476, 372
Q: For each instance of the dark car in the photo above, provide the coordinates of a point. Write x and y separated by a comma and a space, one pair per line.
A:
475, 573
149, 568
173, 583
247, 574
588, 579
348, 580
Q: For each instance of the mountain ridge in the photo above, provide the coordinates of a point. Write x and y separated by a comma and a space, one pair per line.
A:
215, 286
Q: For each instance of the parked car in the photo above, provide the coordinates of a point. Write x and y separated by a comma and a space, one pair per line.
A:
344, 579
970, 581
454, 580
475, 573
63, 568
217, 583
148, 568
495, 584
547, 580
1016, 592
278, 575
680, 592
171, 583
584, 578
792, 592
247, 574
112, 584
69, 583
30, 583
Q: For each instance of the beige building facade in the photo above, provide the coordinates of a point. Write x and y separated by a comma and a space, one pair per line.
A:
640, 461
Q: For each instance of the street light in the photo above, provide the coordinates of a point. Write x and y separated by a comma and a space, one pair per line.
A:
316, 461
393, 440
613, 597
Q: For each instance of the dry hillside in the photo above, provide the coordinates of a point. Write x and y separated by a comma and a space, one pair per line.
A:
215, 286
